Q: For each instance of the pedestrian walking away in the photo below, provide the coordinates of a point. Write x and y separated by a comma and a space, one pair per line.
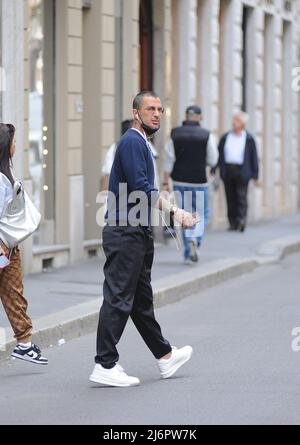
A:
11, 278
189, 151
129, 249
238, 163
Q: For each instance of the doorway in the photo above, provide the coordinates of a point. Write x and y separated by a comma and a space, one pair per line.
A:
146, 45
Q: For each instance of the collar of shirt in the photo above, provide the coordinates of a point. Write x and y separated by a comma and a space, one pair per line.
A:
243, 134
145, 139
143, 134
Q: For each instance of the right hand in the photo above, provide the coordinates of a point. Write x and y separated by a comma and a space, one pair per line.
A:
186, 219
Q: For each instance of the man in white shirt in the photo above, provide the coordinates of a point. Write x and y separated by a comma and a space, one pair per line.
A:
188, 152
238, 162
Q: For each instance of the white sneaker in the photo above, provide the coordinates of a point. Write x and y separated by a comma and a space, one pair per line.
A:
188, 262
120, 368
168, 367
112, 377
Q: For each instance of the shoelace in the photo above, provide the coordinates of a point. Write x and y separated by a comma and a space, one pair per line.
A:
37, 349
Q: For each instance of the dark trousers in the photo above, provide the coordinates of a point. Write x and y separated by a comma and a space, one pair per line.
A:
127, 292
236, 189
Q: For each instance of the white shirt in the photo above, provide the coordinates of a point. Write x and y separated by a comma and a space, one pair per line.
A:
109, 159
212, 156
235, 148
6, 192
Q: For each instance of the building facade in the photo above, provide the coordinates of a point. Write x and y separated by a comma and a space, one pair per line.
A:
69, 71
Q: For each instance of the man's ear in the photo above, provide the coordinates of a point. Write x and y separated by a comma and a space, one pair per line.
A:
136, 116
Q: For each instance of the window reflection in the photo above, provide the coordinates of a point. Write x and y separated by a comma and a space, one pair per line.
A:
36, 99
41, 113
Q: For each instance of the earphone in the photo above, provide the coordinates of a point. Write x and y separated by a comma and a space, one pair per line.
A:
138, 117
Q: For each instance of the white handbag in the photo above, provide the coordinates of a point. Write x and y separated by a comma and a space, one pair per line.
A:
19, 219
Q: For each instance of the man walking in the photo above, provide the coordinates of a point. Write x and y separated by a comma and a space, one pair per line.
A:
190, 149
128, 246
238, 162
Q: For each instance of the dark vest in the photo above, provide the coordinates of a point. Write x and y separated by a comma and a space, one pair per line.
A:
190, 143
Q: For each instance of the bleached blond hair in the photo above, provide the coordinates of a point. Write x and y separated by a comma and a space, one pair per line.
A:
242, 116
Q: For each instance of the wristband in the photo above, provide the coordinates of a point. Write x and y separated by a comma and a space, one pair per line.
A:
173, 210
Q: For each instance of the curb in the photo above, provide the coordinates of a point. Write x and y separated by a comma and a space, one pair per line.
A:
82, 319
173, 289
277, 249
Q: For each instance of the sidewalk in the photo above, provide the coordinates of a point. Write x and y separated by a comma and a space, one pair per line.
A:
64, 303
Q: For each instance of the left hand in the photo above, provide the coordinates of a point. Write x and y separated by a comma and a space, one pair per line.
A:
186, 219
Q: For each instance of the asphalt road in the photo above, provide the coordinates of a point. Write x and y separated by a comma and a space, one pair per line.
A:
243, 371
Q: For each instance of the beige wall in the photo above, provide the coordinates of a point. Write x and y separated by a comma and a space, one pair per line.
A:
94, 91
131, 76
69, 179
163, 70
218, 51
99, 87
100, 78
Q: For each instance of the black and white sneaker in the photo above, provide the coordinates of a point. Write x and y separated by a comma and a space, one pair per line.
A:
32, 354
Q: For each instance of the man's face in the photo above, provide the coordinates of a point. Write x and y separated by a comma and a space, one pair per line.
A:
151, 112
237, 124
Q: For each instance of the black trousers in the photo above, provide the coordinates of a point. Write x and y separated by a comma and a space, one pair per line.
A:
127, 292
236, 189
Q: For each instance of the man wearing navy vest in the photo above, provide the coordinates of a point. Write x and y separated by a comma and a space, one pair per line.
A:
238, 163
190, 149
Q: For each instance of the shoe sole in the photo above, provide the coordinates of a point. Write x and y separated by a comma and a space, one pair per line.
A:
107, 382
176, 367
30, 360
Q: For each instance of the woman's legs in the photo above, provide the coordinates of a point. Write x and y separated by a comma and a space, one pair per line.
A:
13, 300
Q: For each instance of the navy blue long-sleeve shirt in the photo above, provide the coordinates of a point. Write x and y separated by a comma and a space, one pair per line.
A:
132, 171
